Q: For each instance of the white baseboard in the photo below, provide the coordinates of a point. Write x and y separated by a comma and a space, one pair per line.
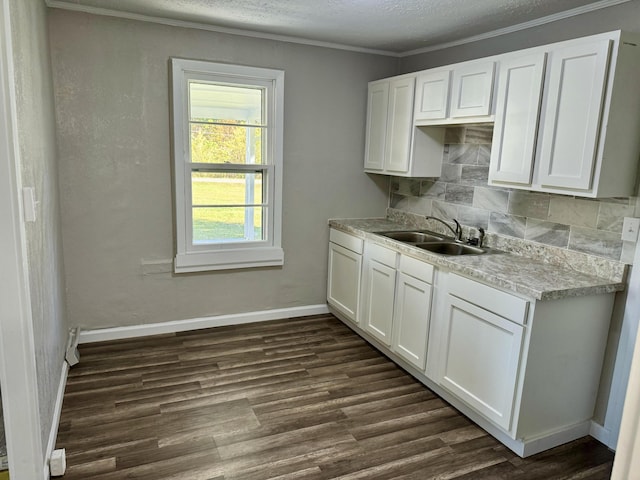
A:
601, 434
118, 333
553, 439
55, 424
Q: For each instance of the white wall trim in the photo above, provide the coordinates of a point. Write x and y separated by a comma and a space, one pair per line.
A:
600, 433
57, 411
18, 374
65, 5
118, 333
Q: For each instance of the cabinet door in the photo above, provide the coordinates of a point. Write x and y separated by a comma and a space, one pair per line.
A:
343, 285
377, 298
411, 319
471, 90
400, 124
432, 95
516, 123
376, 133
572, 112
480, 359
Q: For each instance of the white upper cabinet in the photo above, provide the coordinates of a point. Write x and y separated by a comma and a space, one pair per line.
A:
566, 116
514, 131
399, 124
582, 136
389, 125
461, 93
377, 108
471, 90
393, 145
432, 95
572, 116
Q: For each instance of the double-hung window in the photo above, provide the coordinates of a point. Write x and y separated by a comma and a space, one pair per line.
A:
227, 147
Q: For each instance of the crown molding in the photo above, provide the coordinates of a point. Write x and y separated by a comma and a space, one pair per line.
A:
518, 27
75, 7
316, 43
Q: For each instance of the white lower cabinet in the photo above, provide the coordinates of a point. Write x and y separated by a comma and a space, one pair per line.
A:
412, 311
529, 368
480, 359
345, 270
526, 370
378, 291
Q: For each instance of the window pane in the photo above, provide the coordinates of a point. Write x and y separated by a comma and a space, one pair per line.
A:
209, 102
226, 188
225, 144
227, 224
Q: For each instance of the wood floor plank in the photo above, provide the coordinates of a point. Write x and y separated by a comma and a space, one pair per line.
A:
291, 399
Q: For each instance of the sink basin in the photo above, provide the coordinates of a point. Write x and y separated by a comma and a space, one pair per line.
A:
450, 248
412, 237
434, 242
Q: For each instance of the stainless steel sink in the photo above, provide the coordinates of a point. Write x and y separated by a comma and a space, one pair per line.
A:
413, 236
451, 248
433, 242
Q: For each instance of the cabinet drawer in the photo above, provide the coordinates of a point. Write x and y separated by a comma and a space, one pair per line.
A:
382, 255
491, 299
416, 268
347, 241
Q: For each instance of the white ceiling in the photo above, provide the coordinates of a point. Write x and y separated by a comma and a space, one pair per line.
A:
387, 26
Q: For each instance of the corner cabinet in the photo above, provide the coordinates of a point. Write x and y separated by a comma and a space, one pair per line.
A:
529, 368
567, 118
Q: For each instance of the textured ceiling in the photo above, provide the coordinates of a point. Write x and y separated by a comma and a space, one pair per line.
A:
385, 25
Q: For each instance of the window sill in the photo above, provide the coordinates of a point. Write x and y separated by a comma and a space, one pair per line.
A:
229, 259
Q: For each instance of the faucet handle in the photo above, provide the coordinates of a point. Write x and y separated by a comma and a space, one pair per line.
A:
458, 230
477, 241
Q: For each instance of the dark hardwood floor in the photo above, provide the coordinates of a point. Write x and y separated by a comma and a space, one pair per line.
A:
293, 399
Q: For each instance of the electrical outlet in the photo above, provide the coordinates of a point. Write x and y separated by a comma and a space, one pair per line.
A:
630, 229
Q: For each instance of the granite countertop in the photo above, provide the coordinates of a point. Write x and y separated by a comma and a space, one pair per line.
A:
543, 275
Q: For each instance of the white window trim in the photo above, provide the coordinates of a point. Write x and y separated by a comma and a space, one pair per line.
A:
266, 253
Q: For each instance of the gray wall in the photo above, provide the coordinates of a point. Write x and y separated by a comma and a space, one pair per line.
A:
625, 16
112, 104
37, 147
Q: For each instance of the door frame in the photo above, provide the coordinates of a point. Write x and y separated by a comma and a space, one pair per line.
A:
18, 375
627, 459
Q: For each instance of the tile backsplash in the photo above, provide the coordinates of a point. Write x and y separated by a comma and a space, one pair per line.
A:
585, 225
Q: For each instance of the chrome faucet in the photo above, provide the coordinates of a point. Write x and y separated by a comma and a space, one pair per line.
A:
457, 233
